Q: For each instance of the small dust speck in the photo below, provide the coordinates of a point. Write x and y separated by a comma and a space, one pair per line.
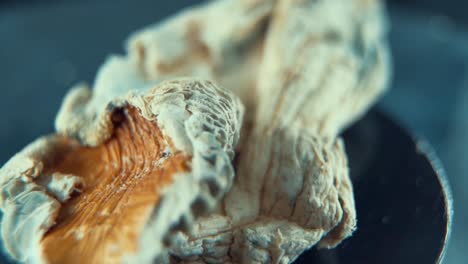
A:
79, 233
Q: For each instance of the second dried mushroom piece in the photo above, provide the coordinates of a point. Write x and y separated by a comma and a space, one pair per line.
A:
166, 160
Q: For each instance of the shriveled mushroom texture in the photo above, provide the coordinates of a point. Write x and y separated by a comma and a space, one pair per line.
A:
304, 70
158, 158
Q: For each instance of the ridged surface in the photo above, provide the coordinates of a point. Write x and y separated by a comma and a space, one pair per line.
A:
123, 181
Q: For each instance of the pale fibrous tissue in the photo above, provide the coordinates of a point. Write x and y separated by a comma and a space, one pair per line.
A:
214, 139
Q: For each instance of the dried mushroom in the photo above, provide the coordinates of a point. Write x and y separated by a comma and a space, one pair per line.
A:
142, 168
163, 157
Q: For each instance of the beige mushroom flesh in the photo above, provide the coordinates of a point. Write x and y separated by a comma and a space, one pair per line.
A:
215, 139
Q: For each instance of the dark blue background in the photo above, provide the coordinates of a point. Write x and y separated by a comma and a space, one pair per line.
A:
46, 46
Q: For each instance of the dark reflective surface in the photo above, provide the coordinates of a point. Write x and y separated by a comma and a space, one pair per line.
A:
402, 199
